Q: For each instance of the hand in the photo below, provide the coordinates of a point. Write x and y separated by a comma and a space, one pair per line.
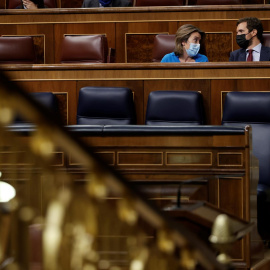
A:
29, 4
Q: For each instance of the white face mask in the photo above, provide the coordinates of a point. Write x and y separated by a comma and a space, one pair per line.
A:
193, 49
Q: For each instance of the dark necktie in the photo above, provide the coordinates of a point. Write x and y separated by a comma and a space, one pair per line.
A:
250, 58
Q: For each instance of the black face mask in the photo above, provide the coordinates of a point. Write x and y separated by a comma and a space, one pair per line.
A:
241, 41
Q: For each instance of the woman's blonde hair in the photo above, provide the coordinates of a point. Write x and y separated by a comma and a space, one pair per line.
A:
182, 35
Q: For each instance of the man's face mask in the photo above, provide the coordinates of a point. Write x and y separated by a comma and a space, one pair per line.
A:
242, 41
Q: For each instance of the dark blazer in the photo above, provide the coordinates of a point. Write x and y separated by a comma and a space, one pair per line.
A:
115, 3
240, 55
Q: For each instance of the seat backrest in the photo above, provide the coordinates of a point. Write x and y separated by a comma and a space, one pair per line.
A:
105, 106
17, 50
141, 3
48, 100
218, 2
266, 39
84, 49
163, 44
167, 108
253, 108
16, 3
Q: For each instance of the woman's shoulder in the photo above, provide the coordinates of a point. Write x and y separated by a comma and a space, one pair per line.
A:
170, 57
201, 58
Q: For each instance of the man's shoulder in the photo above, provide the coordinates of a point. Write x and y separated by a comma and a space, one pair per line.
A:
265, 54
267, 49
238, 51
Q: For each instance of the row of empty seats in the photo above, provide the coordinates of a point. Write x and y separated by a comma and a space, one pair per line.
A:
75, 49
115, 106
81, 49
11, 4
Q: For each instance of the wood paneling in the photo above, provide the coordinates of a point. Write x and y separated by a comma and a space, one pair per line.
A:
218, 46
142, 44
212, 80
159, 164
127, 27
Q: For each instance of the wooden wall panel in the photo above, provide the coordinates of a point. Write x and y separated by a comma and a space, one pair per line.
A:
121, 28
218, 46
142, 44
135, 86
234, 187
39, 44
126, 38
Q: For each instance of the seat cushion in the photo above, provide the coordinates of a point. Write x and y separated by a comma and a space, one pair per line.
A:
174, 108
84, 49
17, 50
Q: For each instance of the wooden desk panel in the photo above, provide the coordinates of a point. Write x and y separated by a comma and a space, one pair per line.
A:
128, 28
172, 159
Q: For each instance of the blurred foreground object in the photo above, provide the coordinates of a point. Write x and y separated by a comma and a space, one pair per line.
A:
97, 222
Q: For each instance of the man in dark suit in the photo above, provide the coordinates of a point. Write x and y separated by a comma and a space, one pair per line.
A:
106, 3
249, 37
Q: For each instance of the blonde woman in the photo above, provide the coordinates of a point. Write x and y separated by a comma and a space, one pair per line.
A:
187, 46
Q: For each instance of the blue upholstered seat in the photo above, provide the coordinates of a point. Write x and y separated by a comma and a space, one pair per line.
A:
48, 100
253, 108
106, 106
167, 108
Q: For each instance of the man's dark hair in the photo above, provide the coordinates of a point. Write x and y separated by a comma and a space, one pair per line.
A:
253, 23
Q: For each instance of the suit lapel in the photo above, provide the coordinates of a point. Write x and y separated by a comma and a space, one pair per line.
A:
242, 55
265, 54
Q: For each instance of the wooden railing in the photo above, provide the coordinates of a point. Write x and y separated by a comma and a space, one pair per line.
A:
130, 31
